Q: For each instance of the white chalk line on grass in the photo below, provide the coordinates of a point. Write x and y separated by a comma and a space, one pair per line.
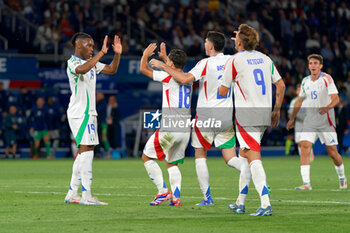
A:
184, 187
191, 197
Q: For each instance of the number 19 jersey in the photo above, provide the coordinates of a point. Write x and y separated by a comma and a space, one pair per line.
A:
253, 73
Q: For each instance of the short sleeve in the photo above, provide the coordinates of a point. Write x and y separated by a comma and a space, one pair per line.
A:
200, 69
229, 74
302, 92
99, 67
332, 89
275, 74
161, 76
72, 65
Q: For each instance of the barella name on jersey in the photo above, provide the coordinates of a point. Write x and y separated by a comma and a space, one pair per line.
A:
209, 123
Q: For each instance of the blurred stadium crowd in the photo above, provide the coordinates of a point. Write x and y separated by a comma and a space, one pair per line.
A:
289, 31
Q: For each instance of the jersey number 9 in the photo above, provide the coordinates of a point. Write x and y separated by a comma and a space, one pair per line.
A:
259, 79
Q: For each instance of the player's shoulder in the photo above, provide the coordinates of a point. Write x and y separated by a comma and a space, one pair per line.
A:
74, 60
306, 80
327, 77
202, 61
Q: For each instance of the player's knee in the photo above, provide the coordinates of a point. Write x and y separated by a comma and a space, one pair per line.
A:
145, 158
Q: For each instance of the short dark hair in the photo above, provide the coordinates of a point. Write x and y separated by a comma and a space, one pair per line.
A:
249, 37
218, 40
178, 57
315, 56
79, 35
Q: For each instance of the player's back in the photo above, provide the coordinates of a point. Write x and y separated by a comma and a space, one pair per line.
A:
176, 99
209, 71
254, 75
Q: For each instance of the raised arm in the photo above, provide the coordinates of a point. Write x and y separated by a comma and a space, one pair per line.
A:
162, 54
87, 66
149, 51
275, 116
177, 75
113, 66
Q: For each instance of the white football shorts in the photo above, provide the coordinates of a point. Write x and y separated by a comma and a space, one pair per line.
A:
84, 130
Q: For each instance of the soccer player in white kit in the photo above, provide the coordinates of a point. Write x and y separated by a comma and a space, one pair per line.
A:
210, 105
168, 143
253, 74
322, 96
299, 121
82, 69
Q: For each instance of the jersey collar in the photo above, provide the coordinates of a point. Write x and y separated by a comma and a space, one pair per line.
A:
219, 54
78, 57
317, 77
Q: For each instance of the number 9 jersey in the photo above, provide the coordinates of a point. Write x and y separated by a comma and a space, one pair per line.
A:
253, 73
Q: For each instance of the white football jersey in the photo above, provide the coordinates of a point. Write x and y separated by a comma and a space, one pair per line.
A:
209, 71
176, 103
253, 73
317, 93
175, 95
83, 87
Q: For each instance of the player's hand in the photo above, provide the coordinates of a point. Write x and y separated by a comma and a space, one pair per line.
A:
149, 51
117, 45
234, 38
162, 53
290, 124
275, 118
104, 49
323, 110
156, 63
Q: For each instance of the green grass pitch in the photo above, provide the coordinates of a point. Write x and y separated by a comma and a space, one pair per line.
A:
32, 194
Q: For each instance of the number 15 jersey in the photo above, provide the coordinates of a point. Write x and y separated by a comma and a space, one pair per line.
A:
253, 73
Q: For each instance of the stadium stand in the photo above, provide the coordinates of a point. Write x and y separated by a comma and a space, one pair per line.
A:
42, 29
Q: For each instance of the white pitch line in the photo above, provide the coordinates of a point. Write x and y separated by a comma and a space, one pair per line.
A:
190, 197
151, 187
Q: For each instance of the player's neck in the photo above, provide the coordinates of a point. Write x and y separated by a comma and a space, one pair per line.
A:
214, 53
77, 54
314, 77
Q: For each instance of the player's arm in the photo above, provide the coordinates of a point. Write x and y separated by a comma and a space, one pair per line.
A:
226, 80
87, 66
280, 89
334, 102
162, 54
177, 75
297, 106
149, 51
118, 49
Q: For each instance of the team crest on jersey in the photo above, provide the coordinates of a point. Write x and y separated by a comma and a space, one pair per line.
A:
151, 120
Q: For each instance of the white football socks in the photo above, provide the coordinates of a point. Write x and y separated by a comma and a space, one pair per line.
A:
340, 170
259, 179
244, 180
86, 173
305, 173
203, 176
76, 179
175, 181
235, 162
156, 175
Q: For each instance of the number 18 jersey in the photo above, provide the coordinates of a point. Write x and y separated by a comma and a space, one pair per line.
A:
176, 103
253, 73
